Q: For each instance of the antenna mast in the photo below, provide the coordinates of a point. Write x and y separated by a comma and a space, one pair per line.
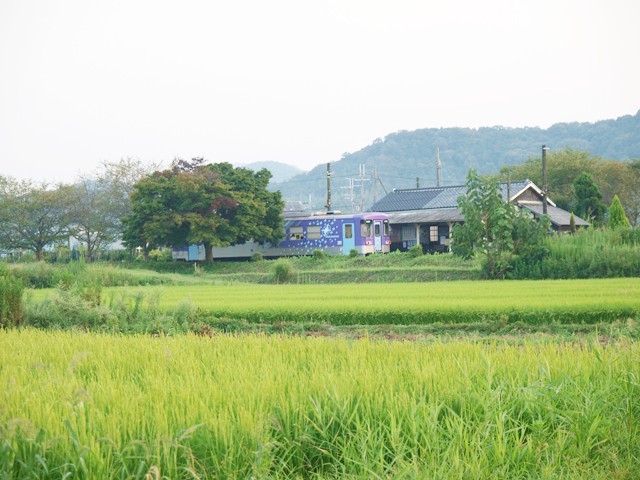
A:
328, 205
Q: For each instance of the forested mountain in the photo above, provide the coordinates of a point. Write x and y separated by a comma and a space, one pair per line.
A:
281, 172
401, 157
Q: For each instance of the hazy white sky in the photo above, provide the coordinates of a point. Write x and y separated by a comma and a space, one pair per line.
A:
295, 81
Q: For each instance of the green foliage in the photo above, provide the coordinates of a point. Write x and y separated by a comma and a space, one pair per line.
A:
282, 271
415, 251
319, 254
588, 196
160, 255
33, 216
46, 275
217, 205
11, 289
495, 229
353, 253
257, 257
588, 253
617, 217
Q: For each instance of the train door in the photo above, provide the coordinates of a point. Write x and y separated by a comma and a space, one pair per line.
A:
377, 235
348, 238
194, 253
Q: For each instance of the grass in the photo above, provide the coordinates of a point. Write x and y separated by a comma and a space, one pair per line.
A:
531, 302
99, 406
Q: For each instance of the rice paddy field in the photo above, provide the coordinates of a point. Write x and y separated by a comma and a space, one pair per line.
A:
89, 405
530, 302
80, 399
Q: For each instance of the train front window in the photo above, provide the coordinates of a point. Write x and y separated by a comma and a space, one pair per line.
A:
377, 229
365, 229
348, 231
385, 230
295, 233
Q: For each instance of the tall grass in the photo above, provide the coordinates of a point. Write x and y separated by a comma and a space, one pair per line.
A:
589, 253
98, 406
11, 289
46, 275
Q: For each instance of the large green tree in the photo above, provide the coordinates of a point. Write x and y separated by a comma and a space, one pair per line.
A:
34, 216
588, 199
212, 204
495, 229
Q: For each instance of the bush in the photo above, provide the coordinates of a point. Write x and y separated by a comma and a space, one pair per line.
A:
415, 251
319, 254
353, 253
257, 257
282, 270
11, 314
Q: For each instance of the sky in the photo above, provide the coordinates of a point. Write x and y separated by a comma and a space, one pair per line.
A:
295, 81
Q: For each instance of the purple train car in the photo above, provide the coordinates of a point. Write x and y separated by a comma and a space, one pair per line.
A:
335, 234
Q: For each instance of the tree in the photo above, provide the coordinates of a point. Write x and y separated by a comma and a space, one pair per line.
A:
630, 192
34, 216
101, 200
495, 228
216, 205
588, 195
563, 167
617, 217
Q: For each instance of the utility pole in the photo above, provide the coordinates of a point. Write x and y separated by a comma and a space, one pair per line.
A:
417, 182
362, 187
544, 179
328, 205
438, 166
349, 189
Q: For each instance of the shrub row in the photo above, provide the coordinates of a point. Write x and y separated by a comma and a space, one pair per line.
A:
590, 253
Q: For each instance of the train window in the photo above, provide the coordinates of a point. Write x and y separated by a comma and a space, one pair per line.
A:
385, 230
377, 229
433, 233
295, 233
348, 231
365, 229
313, 232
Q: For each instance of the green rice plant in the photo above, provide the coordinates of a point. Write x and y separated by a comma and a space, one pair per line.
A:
99, 406
530, 302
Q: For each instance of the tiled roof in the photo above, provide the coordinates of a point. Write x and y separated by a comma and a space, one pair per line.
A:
434, 197
442, 215
557, 215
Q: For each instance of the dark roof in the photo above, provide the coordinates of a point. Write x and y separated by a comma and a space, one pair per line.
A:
441, 215
436, 197
558, 216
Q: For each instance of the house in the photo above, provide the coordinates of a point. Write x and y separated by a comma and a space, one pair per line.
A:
426, 216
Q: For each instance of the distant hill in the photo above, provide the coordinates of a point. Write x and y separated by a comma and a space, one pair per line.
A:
281, 172
402, 156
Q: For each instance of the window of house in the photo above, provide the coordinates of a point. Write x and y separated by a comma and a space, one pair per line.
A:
313, 232
433, 233
295, 233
